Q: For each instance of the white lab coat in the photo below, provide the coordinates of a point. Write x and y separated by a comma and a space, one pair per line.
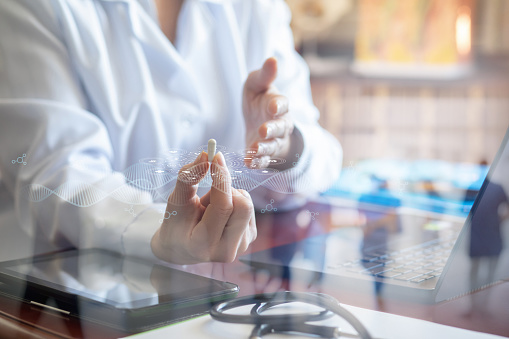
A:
90, 87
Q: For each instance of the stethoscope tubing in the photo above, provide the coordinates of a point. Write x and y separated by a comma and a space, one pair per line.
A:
287, 322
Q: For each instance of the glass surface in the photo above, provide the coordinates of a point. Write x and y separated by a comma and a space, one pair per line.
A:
106, 277
480, 257
386, 248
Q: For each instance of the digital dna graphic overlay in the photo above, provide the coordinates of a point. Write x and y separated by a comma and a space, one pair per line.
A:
158, 176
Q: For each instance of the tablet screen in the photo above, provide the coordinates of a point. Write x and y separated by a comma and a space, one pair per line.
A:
110, 278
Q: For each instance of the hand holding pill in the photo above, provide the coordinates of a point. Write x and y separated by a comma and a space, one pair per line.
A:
216, 227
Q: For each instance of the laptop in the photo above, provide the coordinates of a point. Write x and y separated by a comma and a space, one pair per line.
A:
407, 253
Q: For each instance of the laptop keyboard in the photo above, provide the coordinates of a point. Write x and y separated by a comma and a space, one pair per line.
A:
415, 264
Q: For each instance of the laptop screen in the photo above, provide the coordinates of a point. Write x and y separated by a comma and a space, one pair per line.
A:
481, 255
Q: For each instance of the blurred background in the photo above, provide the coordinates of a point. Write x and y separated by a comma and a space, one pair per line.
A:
417, 92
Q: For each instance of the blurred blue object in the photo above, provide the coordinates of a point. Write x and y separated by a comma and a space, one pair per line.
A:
432, 185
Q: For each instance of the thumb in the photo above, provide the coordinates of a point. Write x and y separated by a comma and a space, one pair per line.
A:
260, 80
189, 175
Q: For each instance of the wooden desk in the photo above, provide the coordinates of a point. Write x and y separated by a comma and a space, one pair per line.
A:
486, 310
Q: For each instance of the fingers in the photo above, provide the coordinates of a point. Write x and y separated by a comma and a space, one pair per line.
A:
240, 230
221, 190
228, 224
251, 232
220, 205
237, 234
250, 235
189, 176
257, 162
277, 128
273, 141
269, 148
217, 227
276, 105
260, 80
268, 126
205, 199
171, 242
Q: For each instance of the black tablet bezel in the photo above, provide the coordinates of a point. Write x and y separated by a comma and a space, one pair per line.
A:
141, 314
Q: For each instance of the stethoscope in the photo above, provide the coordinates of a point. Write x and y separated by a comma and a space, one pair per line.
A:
284, 323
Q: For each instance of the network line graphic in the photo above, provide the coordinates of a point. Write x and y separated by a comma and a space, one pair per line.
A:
20, 160
158, 177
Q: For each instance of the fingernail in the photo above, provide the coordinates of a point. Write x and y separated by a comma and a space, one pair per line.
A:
219, 159
268, 134
282, 106
261, 149
199, 158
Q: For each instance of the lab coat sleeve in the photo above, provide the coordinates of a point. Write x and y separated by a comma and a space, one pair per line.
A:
62, 186
321, 158
319, 165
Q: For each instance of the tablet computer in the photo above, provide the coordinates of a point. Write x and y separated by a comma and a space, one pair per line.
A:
125, 293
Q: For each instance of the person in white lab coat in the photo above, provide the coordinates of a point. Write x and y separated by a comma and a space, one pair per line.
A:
90, 87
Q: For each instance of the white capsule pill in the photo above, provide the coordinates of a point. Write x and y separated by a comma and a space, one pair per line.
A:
211, 149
